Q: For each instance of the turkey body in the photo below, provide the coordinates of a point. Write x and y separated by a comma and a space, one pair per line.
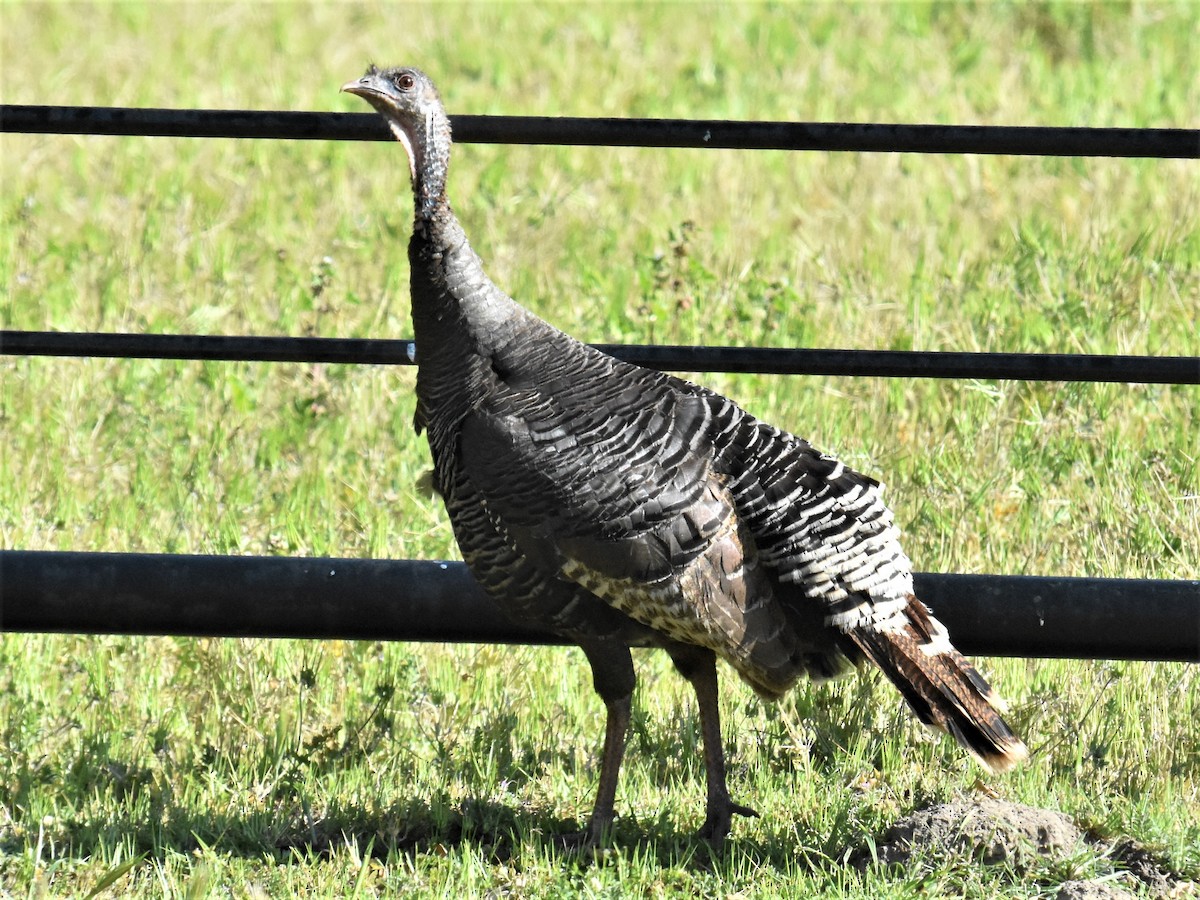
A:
613, 502
623, 507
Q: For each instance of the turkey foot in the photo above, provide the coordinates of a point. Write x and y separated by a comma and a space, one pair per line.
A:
720, 817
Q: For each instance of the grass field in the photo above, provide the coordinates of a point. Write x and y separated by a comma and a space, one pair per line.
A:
183, 767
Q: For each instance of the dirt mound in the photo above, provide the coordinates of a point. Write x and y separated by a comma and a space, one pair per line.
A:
1091, 890
1029, 841
987, 831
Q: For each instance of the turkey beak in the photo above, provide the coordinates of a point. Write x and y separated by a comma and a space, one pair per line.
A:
370, 87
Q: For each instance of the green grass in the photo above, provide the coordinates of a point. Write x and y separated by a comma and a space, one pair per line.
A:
270, 768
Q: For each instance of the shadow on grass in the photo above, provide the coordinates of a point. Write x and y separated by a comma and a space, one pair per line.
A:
496, 832
137, 809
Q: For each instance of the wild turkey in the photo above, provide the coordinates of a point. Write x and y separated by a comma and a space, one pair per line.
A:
623, 507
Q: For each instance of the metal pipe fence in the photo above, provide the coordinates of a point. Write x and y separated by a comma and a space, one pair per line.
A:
1162, 143
426, 600
415, 600
761, 360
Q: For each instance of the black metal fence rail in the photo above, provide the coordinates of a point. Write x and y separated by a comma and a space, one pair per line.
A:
234, 596
762, 360
1160, 143
420, 600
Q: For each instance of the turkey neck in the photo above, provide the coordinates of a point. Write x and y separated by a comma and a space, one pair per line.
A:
461, 319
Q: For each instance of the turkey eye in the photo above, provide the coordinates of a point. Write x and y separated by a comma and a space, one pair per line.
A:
405, 82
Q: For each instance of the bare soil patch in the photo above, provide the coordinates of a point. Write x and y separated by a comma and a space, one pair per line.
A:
1033, 843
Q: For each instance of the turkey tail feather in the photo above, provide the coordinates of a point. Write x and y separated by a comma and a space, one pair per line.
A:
940, 684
